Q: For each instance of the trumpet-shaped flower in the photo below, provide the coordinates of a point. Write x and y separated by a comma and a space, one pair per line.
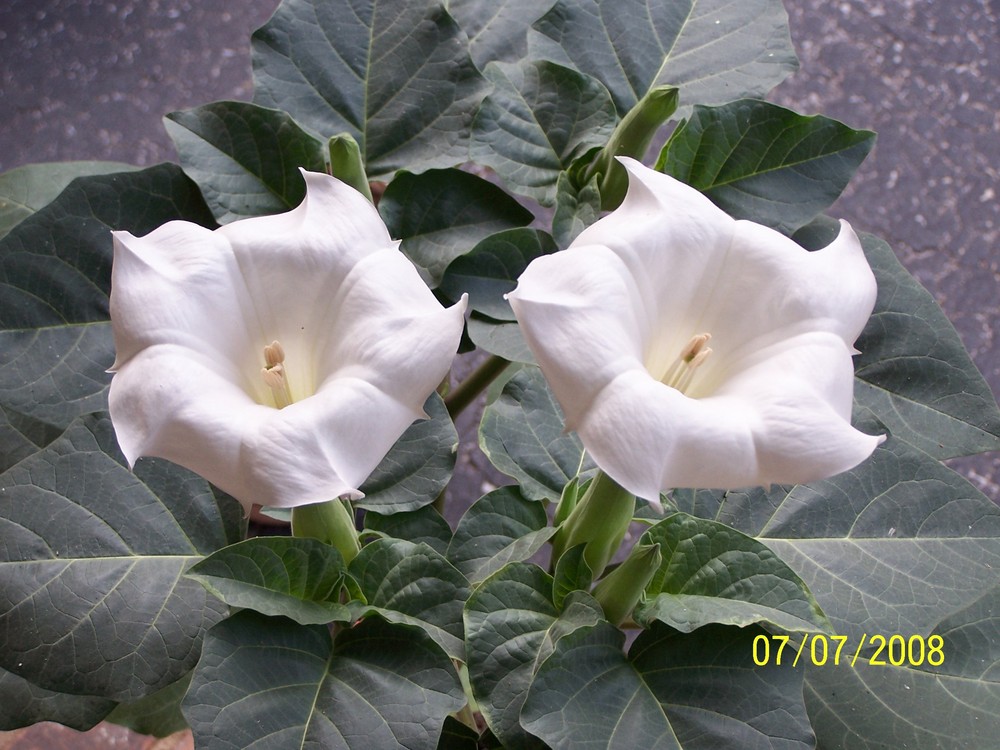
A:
689, 349
279, 357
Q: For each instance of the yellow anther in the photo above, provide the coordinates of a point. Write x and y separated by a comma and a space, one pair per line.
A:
274, 376
680, 374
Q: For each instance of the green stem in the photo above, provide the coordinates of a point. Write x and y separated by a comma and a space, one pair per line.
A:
466, 391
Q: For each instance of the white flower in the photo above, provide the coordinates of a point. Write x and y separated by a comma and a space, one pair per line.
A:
279, 357
689, 349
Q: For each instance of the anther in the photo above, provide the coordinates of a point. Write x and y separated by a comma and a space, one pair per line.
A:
680, 374
273, 374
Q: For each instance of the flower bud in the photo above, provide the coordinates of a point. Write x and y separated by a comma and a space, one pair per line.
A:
621, 589
330, 522
599, 520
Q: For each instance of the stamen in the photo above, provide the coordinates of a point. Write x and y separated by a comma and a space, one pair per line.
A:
680, 374
274, 374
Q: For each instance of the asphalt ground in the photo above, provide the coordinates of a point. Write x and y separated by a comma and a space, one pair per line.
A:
81, 79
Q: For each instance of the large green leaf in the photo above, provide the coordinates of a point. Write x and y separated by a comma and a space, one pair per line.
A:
697, 691
91, 548
510, 621
712, 573
499, 528
523, 435
55, 266
900, 545
23, 704
395, 76
27, 189
538, 119
713, 50
490, 270
913, 375
442, 214
297, 578
421, 525
55, 275
502, 338
158, 714
497, 30
245, 158
763, 162
418, 466
271, 684
411, 583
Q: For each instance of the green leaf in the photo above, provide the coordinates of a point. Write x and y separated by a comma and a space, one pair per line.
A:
298, 578
395, 76
762, 162
572, 573
27, 189
457, 736
539, 118
899, 545
379, 685
497, 30
413, 584
418, 466
23, 704
576, 209
695, 691
55, 266
522, 433
158, 714
509, 621
712, 573
55, 275
245, 158
443, 213
422, 525
713, 50
502, 338
913, 375
91, 549
490, 270
499, 528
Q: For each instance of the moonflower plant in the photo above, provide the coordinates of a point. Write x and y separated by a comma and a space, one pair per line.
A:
279, 357
689, 349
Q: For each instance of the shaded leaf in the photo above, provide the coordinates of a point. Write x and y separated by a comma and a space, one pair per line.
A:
576, 209
765, 163
696, 691
499, 528
91, 548
395, 76
379, 685
522, 433
712, 573
497, 30
490, 270
23, 704
509, 621
502, 338
422, 525
245, 158
442, 214
297, 578
713, 50
538, 119
158, 714
413, 584
418, 466
27, 189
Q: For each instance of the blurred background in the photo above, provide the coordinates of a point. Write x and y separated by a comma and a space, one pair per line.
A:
86, 79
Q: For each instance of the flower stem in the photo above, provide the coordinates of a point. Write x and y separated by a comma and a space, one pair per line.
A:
466, 391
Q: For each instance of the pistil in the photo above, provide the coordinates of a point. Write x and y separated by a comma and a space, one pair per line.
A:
274, 376
680, 374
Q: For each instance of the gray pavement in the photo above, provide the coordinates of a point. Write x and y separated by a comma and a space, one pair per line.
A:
81, 79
